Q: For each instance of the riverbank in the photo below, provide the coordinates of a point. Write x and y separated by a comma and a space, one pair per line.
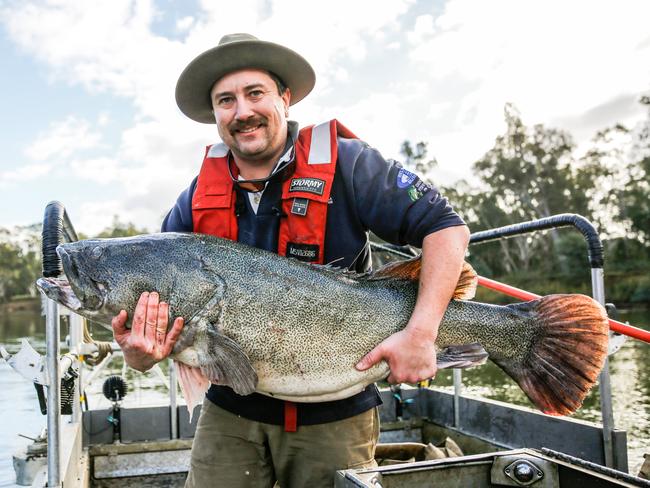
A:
21, 304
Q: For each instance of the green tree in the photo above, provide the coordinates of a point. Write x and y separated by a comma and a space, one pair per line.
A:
416, 159
530, 173
20, 263
634, 196
121, 229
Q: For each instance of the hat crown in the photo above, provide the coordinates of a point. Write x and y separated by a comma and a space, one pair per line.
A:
236, 37
235, 52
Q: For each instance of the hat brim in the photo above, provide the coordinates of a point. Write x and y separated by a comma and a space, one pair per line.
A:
197, 79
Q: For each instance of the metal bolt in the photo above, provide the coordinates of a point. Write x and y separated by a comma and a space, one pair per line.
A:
524, 472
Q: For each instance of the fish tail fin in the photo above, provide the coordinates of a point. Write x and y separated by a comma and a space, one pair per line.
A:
194, 385
565, 358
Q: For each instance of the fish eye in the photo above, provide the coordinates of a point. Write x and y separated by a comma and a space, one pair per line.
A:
97, 252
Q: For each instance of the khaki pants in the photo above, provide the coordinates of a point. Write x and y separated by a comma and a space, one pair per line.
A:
233, 452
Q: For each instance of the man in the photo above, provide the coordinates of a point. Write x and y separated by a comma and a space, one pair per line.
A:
312, 194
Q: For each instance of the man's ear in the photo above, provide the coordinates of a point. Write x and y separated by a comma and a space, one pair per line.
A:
286, 98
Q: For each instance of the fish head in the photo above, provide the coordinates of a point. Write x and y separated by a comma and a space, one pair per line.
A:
98, 280
104, 276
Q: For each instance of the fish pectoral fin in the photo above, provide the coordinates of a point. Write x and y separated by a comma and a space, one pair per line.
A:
229, 365
461, 356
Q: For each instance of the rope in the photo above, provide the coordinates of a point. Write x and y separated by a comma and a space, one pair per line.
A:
104, 348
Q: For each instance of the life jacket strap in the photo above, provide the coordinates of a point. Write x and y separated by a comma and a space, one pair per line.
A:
290, 417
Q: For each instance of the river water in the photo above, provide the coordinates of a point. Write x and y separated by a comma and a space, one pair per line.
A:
629, 367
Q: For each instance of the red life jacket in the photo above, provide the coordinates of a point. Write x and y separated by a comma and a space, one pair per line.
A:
305, 194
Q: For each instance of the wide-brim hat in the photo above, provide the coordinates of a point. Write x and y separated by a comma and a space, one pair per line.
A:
235, 52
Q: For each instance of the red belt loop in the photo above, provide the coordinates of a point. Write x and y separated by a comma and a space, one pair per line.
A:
290, 417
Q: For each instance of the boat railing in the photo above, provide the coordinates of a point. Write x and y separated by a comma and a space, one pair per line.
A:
57, 228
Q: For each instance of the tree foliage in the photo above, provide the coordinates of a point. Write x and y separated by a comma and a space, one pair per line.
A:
416, 158
20, 255
20, 262
533, 172
121, 229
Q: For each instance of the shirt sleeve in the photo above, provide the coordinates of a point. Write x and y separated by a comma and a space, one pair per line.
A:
391, 201
179, 218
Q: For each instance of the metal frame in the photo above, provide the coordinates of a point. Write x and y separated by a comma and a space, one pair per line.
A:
52, 331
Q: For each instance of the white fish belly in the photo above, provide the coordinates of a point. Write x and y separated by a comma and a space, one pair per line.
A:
318, 388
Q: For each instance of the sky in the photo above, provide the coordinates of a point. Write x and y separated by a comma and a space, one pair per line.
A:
88, 117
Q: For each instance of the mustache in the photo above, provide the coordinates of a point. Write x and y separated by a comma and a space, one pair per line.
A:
248, 123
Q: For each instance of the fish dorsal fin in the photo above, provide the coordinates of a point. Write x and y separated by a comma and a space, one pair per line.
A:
409, 269
467, 283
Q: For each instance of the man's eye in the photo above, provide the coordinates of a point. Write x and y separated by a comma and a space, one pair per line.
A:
256, 93
224, 101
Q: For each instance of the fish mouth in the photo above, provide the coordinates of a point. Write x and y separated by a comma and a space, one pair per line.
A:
59, 290
88, 292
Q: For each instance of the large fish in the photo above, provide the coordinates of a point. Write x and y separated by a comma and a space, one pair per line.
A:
257, 321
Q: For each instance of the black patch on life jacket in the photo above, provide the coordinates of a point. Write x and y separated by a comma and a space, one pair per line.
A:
299, 206
308, 185
303, 252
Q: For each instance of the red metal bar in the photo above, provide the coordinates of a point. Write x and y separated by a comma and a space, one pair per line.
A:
615, 325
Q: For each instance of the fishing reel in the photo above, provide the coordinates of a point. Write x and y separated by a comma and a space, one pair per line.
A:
401, 403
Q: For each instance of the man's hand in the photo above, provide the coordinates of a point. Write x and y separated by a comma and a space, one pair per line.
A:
147, 341
410, 353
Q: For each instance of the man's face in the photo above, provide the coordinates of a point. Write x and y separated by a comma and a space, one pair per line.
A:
251, 116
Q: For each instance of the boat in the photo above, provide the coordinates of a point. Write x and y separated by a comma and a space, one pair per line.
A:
504, 444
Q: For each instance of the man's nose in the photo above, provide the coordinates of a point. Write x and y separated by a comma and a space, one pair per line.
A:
244, 109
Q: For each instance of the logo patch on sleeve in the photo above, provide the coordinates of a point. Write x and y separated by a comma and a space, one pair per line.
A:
405, 178
414, 194
309, 185
417, 190
303, 252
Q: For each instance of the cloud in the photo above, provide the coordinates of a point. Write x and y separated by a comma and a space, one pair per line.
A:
62, 139
423, 28
390, 70
548, 57
25, 173
556, 61
101, 170
184, 24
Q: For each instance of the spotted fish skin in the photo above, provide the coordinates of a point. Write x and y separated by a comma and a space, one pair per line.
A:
260, 322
